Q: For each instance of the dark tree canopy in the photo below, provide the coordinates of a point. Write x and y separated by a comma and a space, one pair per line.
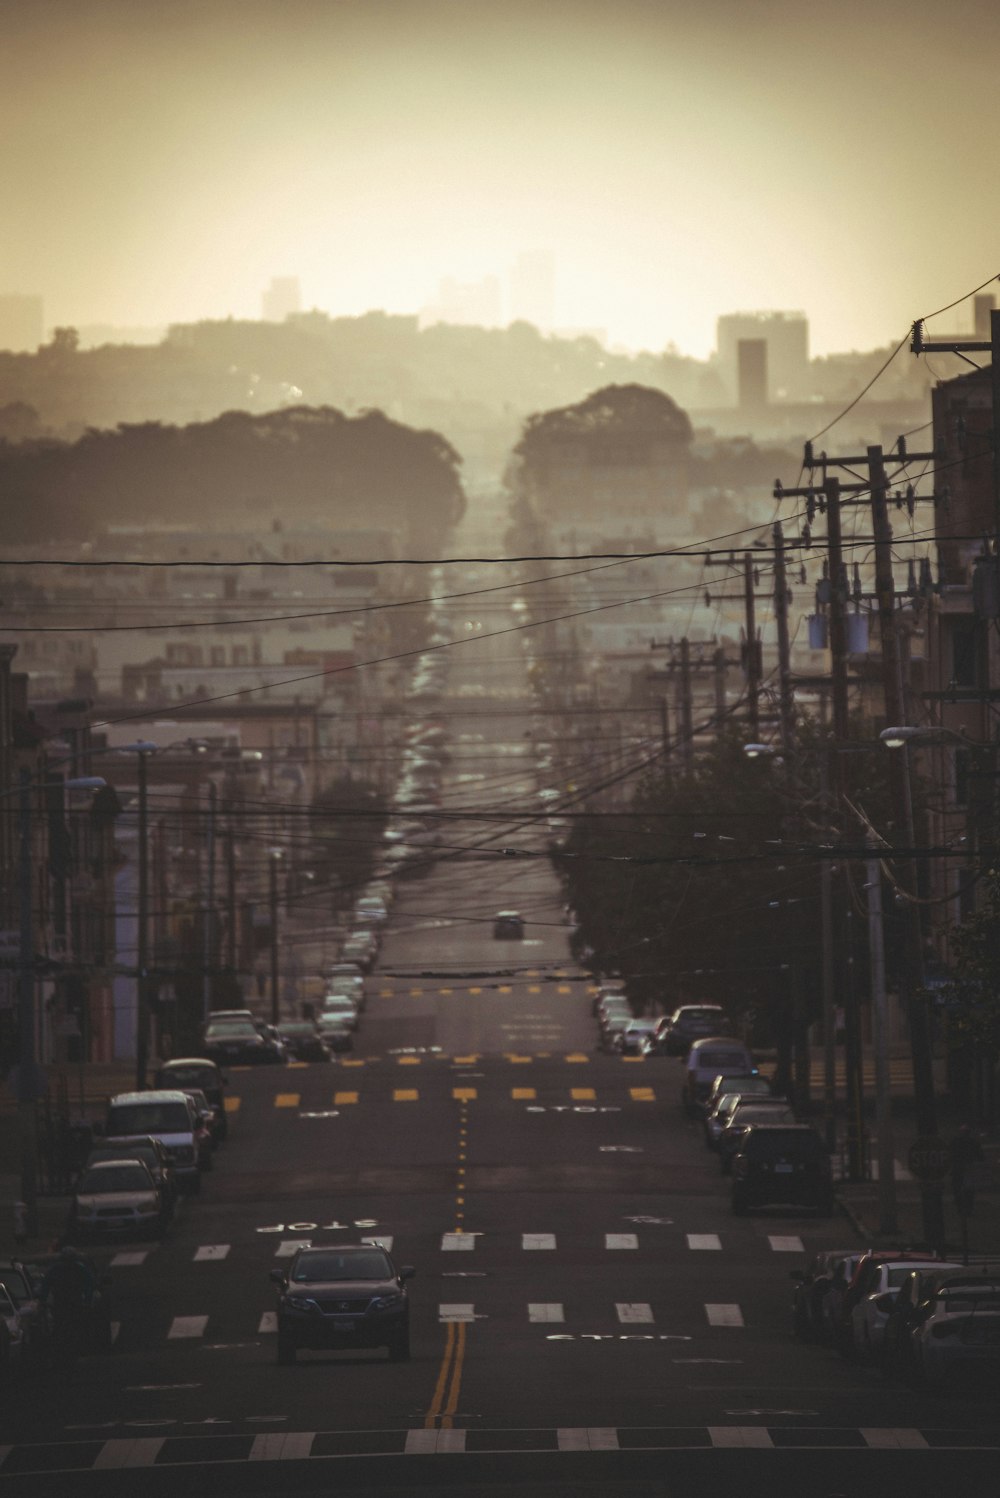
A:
301, 464
617, 411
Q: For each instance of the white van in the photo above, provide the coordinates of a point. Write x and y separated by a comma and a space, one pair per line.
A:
707, 1059
167, 1115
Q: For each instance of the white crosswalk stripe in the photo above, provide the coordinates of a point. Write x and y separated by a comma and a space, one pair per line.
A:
704, 1241
545, 1310
211, 1251
289, 1246
788, 1244
739, 1435
268, 1322
130, 1258
538, 1240
188, 1326
464, 1311
457, 1242
723, 1314
634, 1313
621, 1240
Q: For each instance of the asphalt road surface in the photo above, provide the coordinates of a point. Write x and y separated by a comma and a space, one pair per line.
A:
587, 1315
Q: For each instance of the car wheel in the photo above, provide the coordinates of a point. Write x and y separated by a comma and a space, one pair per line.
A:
399, 1349
286, 1350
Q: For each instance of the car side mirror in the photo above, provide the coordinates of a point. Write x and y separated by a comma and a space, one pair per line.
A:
277, 1277
406, 1272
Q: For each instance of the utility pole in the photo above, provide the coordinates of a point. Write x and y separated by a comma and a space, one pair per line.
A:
273, 890
838, 625
829, 981
208, 942
885, 1148
719, 675
231, 899
920, 1042
26, 1081
786, 695
142, 954
685, 708
665, 731
753, 661
973, 346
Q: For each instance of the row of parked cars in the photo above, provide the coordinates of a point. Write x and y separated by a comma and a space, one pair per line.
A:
149, 1148
926, 1321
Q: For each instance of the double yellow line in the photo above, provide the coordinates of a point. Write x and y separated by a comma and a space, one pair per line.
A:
449, 1383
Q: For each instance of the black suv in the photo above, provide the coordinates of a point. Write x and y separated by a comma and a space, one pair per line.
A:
351, 1295
782, 1164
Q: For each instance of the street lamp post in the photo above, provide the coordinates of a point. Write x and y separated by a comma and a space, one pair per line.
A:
142, 748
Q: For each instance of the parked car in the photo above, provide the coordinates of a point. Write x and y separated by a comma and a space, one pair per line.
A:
304, 1041
353, 987
370, 910
687, 1023
117, 1197
706, 1059
336, 1032
508, 925
872, 1302
746, 1112
632, 1040
729, 1082
360, 947
782, 1164
20, 1311
944, 1326
341, 1005
868, 1279
347, 1296
169, 1115
813, 1286
198, 1071
239, 1042
718, 1117
206, 1120
153, 1155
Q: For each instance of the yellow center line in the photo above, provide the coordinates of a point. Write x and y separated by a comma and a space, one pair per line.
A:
582, 1094
286, 1100
430, 1418
405, 1095
341, 1098
456, 1378
232, 1104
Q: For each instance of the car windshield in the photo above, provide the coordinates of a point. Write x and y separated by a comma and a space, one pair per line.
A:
149, 1118
323, 1267
113, 1178
190, 1076
123, 1152
16, 1285
719, 1059
230, 1029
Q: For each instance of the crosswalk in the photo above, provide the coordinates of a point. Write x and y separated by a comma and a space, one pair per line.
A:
471, 1242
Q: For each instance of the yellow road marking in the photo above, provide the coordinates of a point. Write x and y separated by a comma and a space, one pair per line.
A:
463, 1094
446, 990
405, 1095
532, 972
293, 1064
563, 988
430, 1419
578, 1056
416, 993
352, 1063
518, 1060
407, 1060
642, 1094
341, 1098
632, 1058
232, 1105
456, 1377
386, 993
475, 990
287, 1100
533, 988
504, 988
523, 1094
464, 1060
582, 1094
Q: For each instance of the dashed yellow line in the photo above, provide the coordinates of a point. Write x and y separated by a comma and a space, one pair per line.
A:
232, 1104
464, 1094
405, 1095
582, 1094
287, 1100
352, 1063
516, 1060
523, 1094
341, 1099
642, 1094
407, 1060
475, 990
578, 1057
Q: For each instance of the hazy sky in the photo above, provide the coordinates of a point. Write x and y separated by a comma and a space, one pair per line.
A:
163, 159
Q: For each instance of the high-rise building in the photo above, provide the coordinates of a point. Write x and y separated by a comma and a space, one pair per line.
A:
281, 298
532, 289
786, 336
21, 323
466, 304
751, 373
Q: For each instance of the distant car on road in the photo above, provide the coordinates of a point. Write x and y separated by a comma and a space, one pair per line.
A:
508, 925
303, 1040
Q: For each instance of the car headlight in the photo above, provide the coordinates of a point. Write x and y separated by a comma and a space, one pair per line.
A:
299, 1302
388, 1302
